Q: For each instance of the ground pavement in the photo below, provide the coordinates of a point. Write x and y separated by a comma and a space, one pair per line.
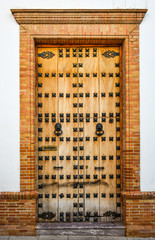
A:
46, 237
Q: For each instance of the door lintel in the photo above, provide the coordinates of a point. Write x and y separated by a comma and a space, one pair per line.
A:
79, 16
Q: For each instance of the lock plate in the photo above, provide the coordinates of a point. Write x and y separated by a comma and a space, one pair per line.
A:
49, 148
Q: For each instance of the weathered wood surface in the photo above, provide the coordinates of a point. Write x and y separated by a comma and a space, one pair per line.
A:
79, 71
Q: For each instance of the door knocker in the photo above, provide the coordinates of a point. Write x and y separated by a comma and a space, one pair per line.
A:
99, 129
58, 130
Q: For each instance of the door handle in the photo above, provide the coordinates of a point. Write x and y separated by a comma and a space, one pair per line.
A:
58, 130
99, 129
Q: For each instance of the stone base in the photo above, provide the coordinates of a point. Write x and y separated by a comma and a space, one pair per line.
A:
81, 229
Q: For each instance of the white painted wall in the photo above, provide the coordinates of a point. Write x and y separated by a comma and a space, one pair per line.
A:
9, 84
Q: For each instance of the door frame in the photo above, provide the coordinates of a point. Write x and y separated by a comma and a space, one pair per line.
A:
105, 27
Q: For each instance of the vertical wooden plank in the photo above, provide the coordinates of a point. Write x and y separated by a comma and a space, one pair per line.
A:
75, 132
109, 59
66, 106
47, 68
118, 134
107, 76
91, 141
80, 134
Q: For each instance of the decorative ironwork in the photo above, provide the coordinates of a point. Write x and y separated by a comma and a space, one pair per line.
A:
46, 95
117, 74
103, 119
47, 54
103, 74
116, 64
74, 65
46, 74
117, 85
94, 52
67, 95
67, 55
53, 74
103, 94
99, 129
67, 74
110, 54
60, 74
110, 74
110, 213
60, 53
67, 49
58, 130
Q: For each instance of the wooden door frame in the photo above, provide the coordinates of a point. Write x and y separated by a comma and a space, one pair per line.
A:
84, 26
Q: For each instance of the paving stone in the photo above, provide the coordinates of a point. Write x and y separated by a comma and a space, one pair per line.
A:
56, 237
82, 238
24, 238
111, 238
138, 238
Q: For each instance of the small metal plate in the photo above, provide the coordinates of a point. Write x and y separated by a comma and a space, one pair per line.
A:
49, 148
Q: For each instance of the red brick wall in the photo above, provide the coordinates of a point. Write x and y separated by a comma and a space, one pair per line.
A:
140, 214
17, 213
140, 218
131, 113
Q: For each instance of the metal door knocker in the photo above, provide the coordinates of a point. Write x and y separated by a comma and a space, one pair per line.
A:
58, 130
99, 129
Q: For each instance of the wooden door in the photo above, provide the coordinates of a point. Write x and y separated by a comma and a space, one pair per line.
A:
78, 158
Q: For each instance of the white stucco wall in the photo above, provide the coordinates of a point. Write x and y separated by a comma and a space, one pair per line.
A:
9, 84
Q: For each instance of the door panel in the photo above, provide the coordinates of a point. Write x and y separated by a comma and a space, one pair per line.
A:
78, 165
66, 102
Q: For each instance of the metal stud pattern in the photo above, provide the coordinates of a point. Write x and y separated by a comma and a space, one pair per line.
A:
79, 171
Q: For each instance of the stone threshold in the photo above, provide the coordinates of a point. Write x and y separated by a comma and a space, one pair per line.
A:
81, 229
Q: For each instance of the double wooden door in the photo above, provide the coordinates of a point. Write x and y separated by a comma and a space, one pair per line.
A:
78, 133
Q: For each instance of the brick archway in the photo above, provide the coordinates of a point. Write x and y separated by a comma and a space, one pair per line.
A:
106, 27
